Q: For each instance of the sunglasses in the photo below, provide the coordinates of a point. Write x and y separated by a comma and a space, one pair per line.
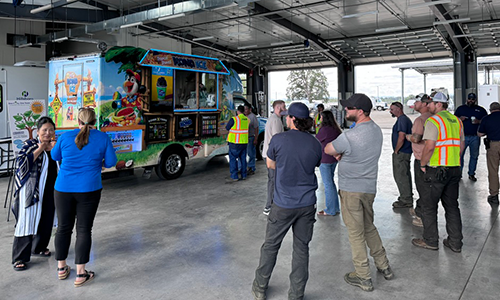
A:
84, 108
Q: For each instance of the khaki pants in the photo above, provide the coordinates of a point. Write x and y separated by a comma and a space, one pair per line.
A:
493, 160
357, 213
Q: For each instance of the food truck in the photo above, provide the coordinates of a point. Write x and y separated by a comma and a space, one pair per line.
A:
159, 108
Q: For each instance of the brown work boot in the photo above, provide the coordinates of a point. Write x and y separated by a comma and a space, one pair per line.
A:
417, 222
422, 244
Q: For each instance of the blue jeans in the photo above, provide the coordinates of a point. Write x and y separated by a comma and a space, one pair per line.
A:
471, 141
237, 154
331, 196
251, 152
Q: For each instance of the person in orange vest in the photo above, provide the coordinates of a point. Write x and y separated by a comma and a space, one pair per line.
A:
440, 162
237, 140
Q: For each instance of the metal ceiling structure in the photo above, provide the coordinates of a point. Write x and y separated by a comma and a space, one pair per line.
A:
446, 65
285, 34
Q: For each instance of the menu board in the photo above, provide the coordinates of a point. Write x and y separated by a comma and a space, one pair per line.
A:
157, 128
126, 141
208, 125
185, 126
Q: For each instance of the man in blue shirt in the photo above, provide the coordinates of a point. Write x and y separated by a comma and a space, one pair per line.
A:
490, 126
471, 115
401, 156
294, 155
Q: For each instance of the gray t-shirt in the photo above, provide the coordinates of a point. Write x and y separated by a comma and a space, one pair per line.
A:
254, 123
360, 148
273, 126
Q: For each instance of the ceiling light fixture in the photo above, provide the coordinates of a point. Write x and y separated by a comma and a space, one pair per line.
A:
25, 45
172, 17
429, 3
469, 34
418, 40
451, 21
247, 47
131, 25
281, 43
61, 39
48, 6
372, 12
388, 29
203, 38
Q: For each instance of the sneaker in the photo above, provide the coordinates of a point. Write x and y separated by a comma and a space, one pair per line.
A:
231, 180
258, 295
353, 279
400, 204
472, 177
446, 243
388, 275
266, 211
417, 222
422, 244
493, 200
412, 212
250, 172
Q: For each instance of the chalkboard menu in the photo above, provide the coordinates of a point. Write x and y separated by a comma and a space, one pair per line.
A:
185, 126
208, 125
157, 128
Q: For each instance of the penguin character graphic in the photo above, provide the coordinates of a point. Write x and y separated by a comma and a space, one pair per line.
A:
132, 99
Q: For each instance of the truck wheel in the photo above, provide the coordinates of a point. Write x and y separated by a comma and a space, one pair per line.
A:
171, 166
260, 147
379, 108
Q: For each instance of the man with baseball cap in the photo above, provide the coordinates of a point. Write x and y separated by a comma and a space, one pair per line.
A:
358, 151
471, 115
444, 142
294, 155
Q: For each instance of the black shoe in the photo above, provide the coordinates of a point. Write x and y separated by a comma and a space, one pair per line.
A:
493, 200
446, 243
250, 172
472, 177
353, 279
388, 275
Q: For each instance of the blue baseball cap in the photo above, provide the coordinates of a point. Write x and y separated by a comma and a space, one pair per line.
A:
298, 110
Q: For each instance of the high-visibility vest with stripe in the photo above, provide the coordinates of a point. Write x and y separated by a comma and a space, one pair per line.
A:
317, 122
238, 134
447, 151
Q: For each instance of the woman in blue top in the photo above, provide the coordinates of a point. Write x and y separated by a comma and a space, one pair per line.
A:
78, 190
328, 132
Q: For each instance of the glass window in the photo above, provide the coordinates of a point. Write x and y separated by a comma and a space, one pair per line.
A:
208, 90
185, 90
243, 78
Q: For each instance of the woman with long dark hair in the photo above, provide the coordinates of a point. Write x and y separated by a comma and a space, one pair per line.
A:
77, 193
328, 132
33, 207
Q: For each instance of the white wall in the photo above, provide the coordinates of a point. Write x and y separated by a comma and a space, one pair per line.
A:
10, 55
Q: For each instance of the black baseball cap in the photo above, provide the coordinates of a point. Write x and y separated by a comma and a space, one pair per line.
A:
359, 101
471, 96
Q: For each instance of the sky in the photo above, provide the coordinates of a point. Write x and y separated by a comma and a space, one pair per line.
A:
375, 81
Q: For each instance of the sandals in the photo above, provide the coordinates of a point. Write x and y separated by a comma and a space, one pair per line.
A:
20, 265
65, 275
89, 276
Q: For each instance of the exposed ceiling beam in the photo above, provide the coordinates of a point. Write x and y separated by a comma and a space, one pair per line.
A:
68, 15
452, 29
42, 8
96, 4
306, 34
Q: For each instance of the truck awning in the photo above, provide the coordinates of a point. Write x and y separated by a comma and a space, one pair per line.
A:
180, 61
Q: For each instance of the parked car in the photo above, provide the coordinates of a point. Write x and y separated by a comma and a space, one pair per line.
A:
380, 105
240, 100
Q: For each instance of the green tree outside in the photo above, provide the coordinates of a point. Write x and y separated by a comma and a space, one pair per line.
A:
307, 84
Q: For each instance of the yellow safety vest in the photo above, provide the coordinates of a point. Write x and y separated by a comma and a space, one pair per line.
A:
447, 151
238, 134
317, 122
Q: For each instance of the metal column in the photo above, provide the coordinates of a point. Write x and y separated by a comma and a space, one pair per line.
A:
465, 75
345, 79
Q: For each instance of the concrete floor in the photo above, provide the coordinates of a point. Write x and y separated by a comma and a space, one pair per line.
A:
199, 238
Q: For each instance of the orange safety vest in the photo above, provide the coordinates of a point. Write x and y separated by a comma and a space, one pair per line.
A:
238, 134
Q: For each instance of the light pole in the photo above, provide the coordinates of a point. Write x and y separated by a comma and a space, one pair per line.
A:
378, 97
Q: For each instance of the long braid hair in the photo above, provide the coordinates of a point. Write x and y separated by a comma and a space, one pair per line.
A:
87, 118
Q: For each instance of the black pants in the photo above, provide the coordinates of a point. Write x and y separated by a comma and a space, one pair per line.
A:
279, 222
270, 186
83, 206
25, 245
441, 183
419, 183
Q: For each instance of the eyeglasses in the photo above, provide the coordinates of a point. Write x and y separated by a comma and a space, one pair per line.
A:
85, 108
351, 108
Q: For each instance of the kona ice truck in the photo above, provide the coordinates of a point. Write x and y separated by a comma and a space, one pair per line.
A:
159, 108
